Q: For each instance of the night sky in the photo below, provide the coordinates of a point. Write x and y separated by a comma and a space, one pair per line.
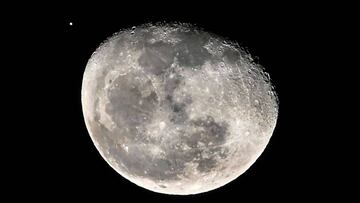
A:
64, 163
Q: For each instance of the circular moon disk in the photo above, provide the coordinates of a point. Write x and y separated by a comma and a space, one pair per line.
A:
175, 109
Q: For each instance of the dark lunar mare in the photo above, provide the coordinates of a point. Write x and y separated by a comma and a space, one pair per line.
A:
190, 52
126, 111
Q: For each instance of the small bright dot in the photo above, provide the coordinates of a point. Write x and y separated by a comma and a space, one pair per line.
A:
70, 23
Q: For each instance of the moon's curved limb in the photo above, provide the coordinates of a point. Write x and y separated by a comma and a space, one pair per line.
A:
177, 110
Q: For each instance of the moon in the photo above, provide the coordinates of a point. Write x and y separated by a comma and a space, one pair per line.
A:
175, 109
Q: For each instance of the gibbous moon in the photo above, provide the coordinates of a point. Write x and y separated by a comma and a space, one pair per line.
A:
175, 109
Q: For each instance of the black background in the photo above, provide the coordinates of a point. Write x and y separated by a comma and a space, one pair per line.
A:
291, 43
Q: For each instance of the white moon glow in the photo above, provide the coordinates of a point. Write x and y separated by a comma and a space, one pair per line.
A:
175, 109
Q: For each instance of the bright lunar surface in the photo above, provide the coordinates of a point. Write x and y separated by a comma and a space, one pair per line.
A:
175, 109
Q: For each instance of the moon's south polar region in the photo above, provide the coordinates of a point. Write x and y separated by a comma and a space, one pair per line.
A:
175, 109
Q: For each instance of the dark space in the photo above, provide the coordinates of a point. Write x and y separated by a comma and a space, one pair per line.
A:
64, 162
